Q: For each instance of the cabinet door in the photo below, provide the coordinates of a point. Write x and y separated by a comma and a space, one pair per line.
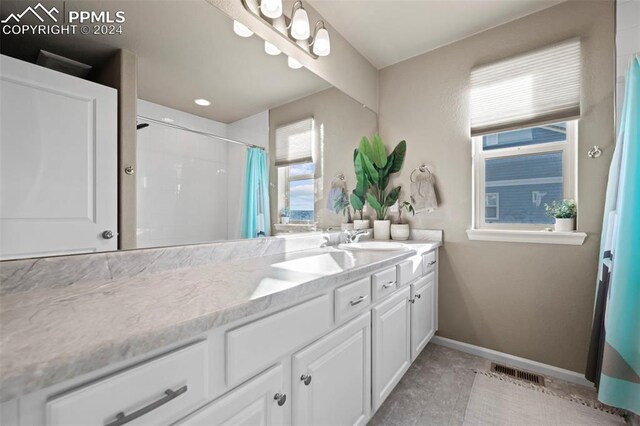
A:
58, 163
391, 344
254, 403
332, 377
423, 313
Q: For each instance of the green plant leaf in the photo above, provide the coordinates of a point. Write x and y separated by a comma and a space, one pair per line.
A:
365, 148
398, 154
370, 168
357, 202
393, 196
355, 154
379, 152
373, 202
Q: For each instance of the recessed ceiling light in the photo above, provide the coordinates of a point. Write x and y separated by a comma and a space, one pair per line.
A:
202, 102
167, 120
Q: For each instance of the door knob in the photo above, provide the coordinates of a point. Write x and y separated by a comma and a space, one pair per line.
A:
306, 378
107, 235
281, 398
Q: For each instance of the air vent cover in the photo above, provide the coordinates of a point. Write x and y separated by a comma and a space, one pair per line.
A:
518, 374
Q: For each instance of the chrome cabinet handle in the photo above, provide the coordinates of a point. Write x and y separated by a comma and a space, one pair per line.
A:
108, 234
358, 300
433, 262
417, 296
281, 398
389, 284
122, 419
306, 379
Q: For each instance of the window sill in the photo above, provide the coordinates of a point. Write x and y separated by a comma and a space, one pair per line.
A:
573, 238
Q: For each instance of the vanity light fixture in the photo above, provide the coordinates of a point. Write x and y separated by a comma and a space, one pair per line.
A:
299, 22
293, 63
241, 29
271, 8
271, 49
202, 102
321, 42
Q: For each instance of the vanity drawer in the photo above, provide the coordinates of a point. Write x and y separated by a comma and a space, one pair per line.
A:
352, 298
156, 392
255, 346
429, 262
409, 270
384, 283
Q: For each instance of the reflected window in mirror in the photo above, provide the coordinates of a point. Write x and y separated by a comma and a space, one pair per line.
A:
300, 192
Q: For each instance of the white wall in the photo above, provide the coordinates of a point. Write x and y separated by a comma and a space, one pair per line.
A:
182, 180
627, 43
253, 130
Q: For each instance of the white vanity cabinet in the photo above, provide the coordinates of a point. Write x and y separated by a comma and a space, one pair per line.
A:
261, 401
332, 377
423, 313
391, 344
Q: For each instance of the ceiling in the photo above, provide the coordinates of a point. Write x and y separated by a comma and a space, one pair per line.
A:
390, 31
186, 50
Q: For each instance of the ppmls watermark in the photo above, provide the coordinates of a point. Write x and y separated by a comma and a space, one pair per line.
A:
52, 21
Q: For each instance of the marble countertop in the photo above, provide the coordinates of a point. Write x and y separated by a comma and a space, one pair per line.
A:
50, 335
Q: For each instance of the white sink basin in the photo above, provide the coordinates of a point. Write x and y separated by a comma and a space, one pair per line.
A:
321, 264
374, 246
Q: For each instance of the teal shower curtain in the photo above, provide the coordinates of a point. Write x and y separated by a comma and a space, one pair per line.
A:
614, 356
255, 212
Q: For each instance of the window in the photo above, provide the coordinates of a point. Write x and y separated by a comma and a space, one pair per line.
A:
296, 170
516, 172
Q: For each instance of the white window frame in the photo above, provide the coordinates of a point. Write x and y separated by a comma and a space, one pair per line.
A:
288, 179
567, 148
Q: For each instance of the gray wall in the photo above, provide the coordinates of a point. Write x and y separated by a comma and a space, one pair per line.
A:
529, 300
340, 123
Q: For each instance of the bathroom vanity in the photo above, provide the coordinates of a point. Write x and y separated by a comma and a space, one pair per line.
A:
318, 336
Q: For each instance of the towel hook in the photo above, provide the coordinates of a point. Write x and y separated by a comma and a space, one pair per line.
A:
594, 152
422, 168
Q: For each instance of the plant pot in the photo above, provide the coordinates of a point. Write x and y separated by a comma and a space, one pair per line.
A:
400, 231
361, 224
565, 225
284, 220
381, 229
347, 226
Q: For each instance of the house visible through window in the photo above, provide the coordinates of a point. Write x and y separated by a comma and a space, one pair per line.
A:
518, 171
296, 170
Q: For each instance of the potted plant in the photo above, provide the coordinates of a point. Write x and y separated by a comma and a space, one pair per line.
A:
359, 194
285, 213
342, 204
400, 230
378, 168
564, 213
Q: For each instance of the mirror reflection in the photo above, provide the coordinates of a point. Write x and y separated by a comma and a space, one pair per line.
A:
165, 129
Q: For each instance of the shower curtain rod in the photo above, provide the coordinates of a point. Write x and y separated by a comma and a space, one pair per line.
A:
209, 135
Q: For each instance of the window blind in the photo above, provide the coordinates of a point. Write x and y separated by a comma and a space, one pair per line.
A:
537, 87
294, 143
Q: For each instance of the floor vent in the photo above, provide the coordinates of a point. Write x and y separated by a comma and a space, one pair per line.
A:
518, 374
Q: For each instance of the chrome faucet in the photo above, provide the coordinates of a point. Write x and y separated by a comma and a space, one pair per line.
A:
353, 236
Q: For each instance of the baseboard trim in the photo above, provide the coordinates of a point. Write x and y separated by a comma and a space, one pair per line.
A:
515, 361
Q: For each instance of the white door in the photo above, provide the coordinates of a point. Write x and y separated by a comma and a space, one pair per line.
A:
260, 401
332, 377
391, 344
58, 162
423, 313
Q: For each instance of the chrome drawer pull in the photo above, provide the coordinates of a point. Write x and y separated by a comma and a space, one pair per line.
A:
433, 262
389, 284
122, 419
417, 296
358, 300
306, 379
280, 398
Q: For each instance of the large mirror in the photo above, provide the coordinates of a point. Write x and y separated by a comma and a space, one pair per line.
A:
160, 126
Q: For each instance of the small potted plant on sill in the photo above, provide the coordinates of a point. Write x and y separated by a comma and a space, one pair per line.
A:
285, 213
343, 205
401, 230
378, 168
564, 212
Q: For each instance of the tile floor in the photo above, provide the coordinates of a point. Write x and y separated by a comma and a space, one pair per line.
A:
436, 389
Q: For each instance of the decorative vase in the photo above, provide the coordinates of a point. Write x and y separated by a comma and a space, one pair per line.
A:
361, 224
565, 225
347, 227
400, 231
284, 220
381, 229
